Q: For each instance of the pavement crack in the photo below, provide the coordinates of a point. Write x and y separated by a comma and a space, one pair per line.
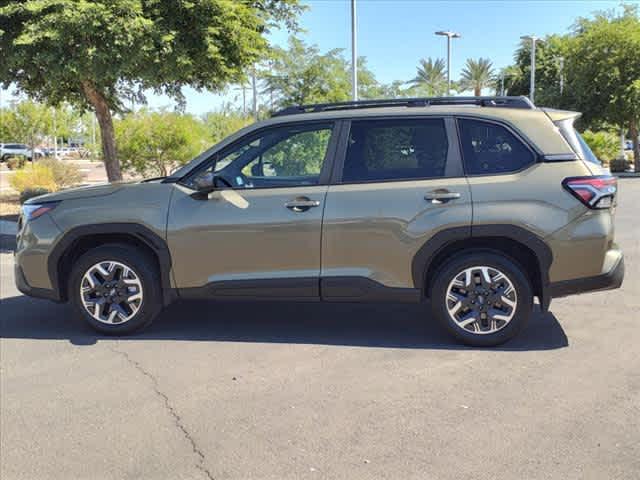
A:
177, 420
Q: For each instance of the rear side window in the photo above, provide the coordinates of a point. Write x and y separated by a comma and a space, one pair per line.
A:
395, 149
490, 149
573, 137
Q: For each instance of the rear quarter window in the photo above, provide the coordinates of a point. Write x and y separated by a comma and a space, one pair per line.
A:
490, 149
576, 142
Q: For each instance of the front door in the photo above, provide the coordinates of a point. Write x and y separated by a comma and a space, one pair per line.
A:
258, 232
401, 184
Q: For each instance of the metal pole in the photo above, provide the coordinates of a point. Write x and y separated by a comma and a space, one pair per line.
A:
93, 135
448, 65
354, 53
533, 68
255, 93
55, 136
244, 99
561, 75
533, 39
449, 35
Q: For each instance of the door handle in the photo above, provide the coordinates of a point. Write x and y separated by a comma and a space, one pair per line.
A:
301, 204
441, 196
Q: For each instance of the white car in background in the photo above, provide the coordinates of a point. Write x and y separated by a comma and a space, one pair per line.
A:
18, 150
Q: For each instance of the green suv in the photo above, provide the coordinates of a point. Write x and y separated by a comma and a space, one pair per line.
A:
479, 207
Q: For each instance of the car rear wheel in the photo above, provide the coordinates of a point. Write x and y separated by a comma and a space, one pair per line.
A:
115, 289
482, 298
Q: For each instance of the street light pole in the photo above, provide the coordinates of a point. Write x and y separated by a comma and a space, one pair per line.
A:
354, 53
533, 39
449, 36
561, 60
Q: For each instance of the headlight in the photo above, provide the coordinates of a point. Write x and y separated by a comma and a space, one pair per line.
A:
34, 210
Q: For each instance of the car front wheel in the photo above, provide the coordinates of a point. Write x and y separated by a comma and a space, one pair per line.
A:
482, 298
115, 289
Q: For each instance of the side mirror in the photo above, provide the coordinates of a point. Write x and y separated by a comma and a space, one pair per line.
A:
202, 193
256, 170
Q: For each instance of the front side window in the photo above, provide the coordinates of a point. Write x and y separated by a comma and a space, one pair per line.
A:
281, 156
395, 149
489, 148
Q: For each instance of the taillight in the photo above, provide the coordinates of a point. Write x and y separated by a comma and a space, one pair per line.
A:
594, 192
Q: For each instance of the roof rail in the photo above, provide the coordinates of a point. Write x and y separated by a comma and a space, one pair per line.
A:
503, 102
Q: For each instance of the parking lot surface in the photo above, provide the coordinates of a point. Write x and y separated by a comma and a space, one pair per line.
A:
302, 391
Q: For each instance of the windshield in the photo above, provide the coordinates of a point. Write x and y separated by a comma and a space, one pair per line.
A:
576, 141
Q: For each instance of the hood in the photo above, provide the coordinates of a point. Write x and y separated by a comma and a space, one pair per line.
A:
79, 192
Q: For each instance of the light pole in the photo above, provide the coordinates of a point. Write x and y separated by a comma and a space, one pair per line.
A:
561, 68
449, 36
533, 40
354, 53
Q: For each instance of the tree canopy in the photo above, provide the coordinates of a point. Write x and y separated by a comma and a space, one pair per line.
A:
95, 53
476, 75
603, 71
301, 74
431, 77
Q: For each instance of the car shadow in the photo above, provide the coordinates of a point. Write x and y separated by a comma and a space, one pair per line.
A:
7, 243
363, 325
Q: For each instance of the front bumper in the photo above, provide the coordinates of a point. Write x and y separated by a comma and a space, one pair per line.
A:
608, 280
23, 286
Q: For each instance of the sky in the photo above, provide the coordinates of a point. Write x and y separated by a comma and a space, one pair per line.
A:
394, 34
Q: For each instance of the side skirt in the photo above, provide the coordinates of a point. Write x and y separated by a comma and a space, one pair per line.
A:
332, 289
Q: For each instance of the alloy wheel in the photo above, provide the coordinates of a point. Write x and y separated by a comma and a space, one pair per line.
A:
481, 300
111, 292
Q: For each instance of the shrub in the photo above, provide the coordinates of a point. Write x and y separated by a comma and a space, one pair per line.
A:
605, 145
619, 165
32, 192
13, 163
33, 176
153, 143
64, 174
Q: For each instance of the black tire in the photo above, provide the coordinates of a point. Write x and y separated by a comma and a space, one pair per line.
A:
515, 274
145, 269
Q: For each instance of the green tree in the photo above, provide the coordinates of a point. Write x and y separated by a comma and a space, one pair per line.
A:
603, 71
431, 77
551, 59
221, 124
95, 53
153, 143
476, 75
26, 122
301, 75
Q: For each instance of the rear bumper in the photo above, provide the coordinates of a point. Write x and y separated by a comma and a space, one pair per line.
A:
606, 281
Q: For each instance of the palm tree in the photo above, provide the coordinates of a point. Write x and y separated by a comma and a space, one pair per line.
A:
507, 77
477, 74
431, 76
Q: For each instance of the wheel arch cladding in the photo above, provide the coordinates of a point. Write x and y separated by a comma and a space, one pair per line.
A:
81, 239
524, 247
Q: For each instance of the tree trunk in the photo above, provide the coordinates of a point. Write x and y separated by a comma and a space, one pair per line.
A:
633, 129
103, 113
477, 91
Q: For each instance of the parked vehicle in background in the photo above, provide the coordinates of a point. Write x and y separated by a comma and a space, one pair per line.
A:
19, 149
476, 206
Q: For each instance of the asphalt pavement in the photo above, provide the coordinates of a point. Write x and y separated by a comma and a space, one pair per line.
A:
302, 391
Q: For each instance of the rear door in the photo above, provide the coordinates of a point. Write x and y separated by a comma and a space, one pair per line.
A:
397, 183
